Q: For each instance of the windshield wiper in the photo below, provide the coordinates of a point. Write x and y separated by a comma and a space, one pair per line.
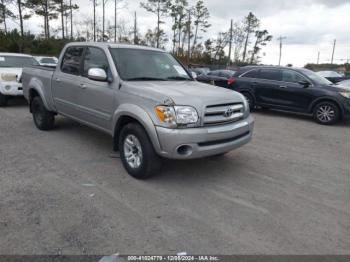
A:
178, 78
146, 79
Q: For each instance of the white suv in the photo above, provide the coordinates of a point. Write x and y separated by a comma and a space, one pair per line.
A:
11, 66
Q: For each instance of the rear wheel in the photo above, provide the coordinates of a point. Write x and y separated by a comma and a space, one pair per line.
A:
326, 113
137, 153
250, 100
3, 100
43, 119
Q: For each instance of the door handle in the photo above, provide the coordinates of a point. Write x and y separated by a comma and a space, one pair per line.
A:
283, 86
57, 79
82, 86
254, 83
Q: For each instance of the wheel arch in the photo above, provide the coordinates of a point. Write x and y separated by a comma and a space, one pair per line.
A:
134, 114
326, 99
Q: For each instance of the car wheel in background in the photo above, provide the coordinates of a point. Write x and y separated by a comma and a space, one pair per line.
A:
3, 100
326, 113
137, 153
43, 119
250, 100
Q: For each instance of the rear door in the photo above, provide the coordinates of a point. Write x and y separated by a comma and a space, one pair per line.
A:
95, 99
65, 82
266, 86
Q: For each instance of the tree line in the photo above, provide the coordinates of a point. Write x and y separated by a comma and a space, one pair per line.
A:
240, 43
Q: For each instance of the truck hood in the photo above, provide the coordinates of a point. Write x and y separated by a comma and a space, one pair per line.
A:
191, 93
10, 74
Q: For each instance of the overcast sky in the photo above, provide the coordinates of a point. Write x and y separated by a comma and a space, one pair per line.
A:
308, 25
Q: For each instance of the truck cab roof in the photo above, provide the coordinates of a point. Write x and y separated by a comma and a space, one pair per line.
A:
114, 45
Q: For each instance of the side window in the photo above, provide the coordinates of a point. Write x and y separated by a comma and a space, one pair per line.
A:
251, 74
95, 58
271, 74
292, 77
71, 60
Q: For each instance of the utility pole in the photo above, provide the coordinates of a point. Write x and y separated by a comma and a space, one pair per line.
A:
334, 43
230, 46
281, 38
135, 30
318, 57
189, 38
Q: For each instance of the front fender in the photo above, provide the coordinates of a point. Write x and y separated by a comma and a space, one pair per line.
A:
139, 114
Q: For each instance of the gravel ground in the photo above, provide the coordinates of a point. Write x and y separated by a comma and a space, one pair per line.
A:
63, 192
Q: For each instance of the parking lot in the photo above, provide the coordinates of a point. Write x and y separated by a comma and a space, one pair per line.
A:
64, 192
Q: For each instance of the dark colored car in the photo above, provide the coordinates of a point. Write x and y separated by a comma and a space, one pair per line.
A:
221, 78
332, 76
293, 89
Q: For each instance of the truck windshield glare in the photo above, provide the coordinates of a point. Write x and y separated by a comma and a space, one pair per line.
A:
147, 65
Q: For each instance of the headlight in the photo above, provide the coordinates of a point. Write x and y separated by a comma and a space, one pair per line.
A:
186, 115
345, 94
177, 115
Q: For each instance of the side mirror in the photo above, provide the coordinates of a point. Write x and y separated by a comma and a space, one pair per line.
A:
194, 75
97, 74
305, 84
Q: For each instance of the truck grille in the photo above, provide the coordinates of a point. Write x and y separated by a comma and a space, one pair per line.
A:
223, 114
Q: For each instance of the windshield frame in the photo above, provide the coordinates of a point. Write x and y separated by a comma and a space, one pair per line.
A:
190, 78
35, 62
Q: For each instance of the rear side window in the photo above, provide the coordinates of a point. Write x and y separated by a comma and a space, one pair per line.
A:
271, 74
251, 74
71, 60
95, 58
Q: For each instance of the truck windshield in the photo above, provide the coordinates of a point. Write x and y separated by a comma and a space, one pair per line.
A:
17, 61
147, 65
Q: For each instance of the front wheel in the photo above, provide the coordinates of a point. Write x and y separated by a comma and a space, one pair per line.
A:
326, 113
43, 119
137, 153
3, 100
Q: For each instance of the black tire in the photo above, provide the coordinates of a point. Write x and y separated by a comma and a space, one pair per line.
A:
150, 162
326, 113
43, 119
250, 99
3, 100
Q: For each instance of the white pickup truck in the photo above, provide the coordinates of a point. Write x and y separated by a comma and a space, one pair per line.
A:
11, 66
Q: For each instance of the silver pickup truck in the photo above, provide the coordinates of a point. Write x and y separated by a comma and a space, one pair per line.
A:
144, 98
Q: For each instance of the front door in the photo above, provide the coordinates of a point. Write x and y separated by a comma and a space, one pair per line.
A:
294, 95
95, 99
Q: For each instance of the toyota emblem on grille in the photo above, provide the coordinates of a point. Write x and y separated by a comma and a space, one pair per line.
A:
229, 112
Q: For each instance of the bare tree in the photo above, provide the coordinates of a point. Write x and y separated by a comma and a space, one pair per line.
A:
201, 16
94, 3
118, 4
251, 24
262, 37
161, 8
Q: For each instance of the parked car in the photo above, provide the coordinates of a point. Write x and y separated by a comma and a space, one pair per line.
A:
11, 66
144, 99
201, 70
50, 61
221, 78
293, 89
332, 76
345, 83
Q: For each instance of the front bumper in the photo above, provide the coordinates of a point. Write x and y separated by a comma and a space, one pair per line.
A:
204, 141
11, 88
